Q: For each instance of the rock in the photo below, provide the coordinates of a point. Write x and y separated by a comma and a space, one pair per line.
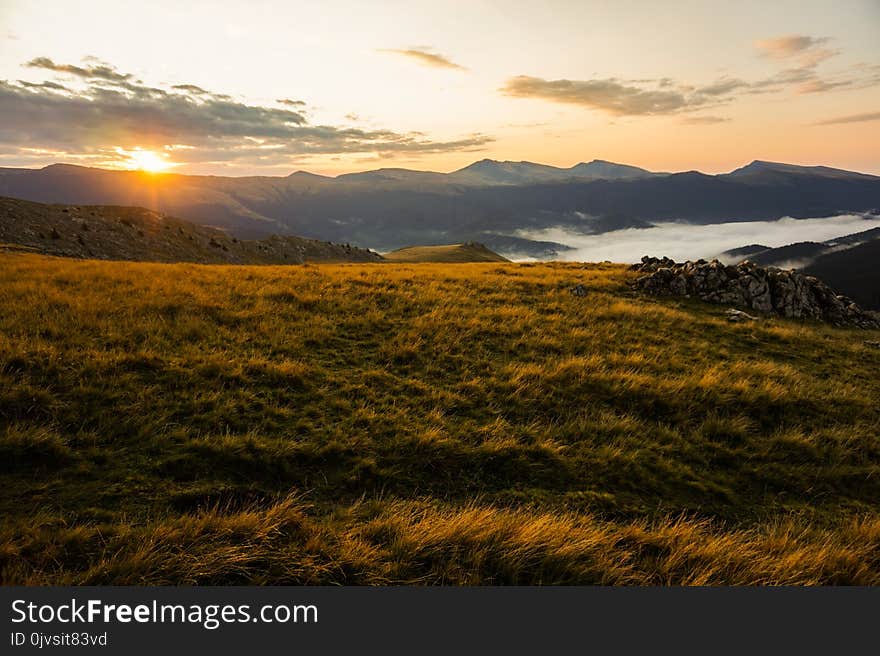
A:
578, 290
766, 290
738, 316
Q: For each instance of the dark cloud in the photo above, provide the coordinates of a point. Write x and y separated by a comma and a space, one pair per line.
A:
191, 88
292, 103
54, 86
609, 95
723, 87
704, 120
99, 71
114, 110
425, 56
852, 118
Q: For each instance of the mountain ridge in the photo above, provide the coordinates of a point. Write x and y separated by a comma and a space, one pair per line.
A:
593, 166
391, 208
142, 235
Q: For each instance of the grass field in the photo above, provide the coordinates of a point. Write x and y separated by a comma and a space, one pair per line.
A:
450, 253
426, 423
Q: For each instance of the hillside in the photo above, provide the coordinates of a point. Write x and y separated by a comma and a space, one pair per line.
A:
393, 208
856, 270
134, 233
423, 424
467, 252
848, 263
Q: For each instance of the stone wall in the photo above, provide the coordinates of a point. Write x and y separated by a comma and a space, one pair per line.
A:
767, 290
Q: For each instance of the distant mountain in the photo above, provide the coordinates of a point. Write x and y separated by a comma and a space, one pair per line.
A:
389, 208
467, 252
771, 171
744, 252
791, 256
855, 239
491, 172
138, 234
395, 176
599, 169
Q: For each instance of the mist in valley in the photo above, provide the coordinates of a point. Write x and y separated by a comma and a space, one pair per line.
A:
682, 241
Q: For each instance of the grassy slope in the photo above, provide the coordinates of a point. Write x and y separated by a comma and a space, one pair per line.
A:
470, 423
141, 235
451, 253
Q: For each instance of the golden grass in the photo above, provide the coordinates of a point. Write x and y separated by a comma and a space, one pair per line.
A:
428, 423
406, 542
448, 253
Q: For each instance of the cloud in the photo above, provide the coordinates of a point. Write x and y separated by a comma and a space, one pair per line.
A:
704, 120
723, 87
682, 241
54, 86
426, 57
801, 55
783, 47
820, 86
851, 118
191, 88
99, 71
110, 110
806, 50
609, 95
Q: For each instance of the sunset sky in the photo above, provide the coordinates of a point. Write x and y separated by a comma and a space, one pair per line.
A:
241, 88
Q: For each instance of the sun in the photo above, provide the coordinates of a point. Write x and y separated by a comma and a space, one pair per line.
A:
147, 160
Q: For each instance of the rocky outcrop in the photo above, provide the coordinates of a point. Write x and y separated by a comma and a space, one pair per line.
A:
767, 290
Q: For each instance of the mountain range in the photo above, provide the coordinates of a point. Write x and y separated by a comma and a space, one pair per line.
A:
489, 201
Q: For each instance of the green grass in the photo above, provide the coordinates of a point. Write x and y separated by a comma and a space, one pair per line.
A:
449, 253
429, 423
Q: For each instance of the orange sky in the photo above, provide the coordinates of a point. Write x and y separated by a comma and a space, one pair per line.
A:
331, 87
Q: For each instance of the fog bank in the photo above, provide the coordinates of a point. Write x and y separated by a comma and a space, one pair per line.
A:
682, 241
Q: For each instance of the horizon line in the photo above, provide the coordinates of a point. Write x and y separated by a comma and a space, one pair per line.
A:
400, 168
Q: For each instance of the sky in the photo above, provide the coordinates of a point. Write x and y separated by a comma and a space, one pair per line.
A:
268, 88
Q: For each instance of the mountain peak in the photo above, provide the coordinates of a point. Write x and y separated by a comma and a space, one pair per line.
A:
760, 166
600, 168
60, 168
308, 175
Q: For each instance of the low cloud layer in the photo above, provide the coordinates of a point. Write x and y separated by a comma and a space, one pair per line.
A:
99, 109
426, 57
799, 55
689, 242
